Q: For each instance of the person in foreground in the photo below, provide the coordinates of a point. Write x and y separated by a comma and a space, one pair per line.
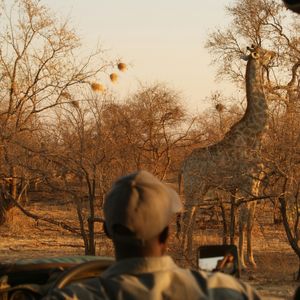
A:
137, 212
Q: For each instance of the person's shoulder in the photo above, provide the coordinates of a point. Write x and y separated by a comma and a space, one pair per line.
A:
224, 286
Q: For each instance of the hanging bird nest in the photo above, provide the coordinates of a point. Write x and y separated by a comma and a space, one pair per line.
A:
220, 107
113, 77
122, 67
75, 103
97, 87
65, 95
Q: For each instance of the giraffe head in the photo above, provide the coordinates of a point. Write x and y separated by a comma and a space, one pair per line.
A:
261, 55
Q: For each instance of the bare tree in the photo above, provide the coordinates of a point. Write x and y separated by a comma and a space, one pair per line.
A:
40, 68
96, 140
148, 129
282, 158
260, 22
268, 24
159, 116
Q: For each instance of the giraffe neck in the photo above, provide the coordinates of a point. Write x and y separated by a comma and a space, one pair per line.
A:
257, 108
255, 118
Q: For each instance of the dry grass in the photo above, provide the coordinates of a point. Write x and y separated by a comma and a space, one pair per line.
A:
276, 263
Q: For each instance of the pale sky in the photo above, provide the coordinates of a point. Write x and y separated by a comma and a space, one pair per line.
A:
162, 40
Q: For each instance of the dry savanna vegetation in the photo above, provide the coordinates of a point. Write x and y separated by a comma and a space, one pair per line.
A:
65, 137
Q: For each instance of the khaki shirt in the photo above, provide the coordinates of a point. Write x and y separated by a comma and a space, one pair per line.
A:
156, 278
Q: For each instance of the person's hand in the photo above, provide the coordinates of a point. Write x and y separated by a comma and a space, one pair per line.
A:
225, 263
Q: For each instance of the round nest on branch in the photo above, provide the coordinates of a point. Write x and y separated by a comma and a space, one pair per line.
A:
66, 95
122, 67
113, 77
97, 87
220, 107
75, 103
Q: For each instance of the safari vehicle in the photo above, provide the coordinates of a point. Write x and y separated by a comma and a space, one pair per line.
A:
34, 278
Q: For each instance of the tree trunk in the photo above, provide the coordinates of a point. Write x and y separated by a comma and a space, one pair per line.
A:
292, 238
232, 218
224, 221
2, 211
13, 184
91, 248
91, 224
5, 204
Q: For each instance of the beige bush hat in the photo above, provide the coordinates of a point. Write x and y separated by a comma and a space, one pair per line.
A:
141, 203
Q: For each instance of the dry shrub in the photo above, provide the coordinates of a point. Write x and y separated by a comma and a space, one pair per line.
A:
18, 223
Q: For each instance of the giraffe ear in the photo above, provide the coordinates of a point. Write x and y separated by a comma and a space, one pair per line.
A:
244, 57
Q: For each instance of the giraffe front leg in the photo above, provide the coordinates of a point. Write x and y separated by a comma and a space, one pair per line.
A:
250, 223
190, 232
187, 235
242, 224
241, 249
250, 256
185, 224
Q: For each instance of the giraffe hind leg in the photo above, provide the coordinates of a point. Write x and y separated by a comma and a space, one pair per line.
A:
187, 221
190, 232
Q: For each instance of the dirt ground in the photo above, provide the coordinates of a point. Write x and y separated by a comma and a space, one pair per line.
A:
274, 276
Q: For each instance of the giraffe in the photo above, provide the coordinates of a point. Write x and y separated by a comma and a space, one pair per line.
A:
231, 164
